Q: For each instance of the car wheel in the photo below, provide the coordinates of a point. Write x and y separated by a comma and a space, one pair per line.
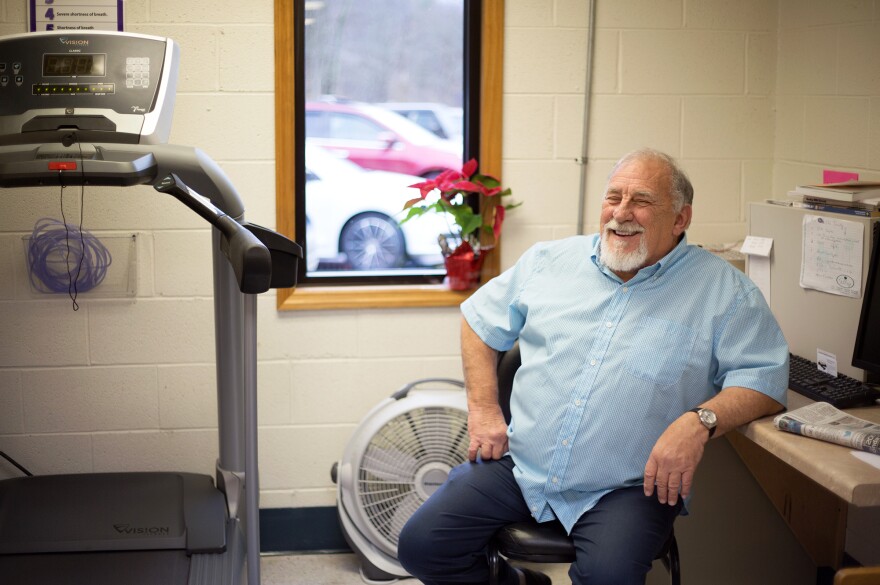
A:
372, 241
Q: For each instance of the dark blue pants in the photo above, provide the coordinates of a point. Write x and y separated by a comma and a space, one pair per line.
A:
444, 542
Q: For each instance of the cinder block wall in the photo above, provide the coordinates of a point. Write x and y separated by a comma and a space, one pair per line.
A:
729, 87
827, 91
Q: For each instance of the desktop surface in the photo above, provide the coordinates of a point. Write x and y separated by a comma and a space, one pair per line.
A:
828, 464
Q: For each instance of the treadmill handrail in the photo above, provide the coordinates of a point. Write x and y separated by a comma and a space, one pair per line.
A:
250, 258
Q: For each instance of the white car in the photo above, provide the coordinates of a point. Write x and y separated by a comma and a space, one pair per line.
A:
353, 218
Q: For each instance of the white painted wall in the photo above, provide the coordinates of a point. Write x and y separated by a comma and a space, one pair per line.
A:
753, 96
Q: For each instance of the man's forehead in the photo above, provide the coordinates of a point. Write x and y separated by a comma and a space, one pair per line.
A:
647, 173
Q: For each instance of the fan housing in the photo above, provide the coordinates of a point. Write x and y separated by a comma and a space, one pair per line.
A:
400, 454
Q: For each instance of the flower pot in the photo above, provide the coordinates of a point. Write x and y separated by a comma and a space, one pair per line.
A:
463, 270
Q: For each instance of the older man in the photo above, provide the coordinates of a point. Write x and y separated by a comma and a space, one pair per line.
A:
637, 349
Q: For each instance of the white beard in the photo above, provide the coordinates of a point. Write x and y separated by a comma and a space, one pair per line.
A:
611, 253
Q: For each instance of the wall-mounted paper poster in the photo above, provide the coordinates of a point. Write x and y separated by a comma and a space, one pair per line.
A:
74, 15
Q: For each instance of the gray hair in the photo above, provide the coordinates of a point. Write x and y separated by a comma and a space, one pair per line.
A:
682, 190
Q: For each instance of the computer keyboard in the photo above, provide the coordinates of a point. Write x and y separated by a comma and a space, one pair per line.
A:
841, 391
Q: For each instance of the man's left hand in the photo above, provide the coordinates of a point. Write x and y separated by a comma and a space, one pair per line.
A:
674, 459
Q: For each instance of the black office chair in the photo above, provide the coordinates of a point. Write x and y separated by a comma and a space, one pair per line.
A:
545, 542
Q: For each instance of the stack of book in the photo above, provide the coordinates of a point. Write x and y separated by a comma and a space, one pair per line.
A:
850, 197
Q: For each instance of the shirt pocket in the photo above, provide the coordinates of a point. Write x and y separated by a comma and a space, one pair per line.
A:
661, 351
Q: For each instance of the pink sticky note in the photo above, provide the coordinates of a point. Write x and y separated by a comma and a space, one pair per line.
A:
829, 176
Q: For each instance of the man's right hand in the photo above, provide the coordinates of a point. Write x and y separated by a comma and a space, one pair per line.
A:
488, 433
486, 425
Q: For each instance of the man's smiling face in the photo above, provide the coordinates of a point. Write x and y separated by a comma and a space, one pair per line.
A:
640, 220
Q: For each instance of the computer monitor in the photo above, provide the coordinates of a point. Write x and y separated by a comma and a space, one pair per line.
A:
866, 354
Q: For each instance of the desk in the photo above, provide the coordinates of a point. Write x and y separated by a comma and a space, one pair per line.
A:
819, 488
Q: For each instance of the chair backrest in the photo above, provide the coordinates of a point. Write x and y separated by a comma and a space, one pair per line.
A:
508, 363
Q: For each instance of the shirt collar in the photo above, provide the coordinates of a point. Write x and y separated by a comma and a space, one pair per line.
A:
655, 270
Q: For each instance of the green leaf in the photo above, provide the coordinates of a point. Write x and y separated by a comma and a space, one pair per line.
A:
413, 212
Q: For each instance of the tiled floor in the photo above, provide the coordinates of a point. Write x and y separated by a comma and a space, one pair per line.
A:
342, 569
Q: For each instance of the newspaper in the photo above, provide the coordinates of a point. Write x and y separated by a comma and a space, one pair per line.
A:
822, 421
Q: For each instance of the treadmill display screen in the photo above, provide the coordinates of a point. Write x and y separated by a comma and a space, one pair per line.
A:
70, 65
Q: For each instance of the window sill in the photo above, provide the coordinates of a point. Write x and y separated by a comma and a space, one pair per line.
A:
314, 298
309, 298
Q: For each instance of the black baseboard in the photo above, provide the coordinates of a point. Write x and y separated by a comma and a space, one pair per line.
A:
301, 530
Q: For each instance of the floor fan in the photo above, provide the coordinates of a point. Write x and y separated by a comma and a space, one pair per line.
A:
399, 454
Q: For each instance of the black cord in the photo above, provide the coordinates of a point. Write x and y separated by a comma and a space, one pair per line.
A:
72, 291
16, 464
53, 242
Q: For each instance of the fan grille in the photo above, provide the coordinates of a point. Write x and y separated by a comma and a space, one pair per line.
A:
402, 462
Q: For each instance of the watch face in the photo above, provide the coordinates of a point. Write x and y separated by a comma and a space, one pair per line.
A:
708, 417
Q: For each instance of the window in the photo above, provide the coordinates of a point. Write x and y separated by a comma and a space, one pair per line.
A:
336, 134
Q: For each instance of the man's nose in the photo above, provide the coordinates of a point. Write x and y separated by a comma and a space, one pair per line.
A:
623, 211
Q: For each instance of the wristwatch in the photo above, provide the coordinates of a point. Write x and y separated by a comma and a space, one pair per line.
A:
707, 417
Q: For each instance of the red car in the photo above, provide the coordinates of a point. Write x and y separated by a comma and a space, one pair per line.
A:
376, 138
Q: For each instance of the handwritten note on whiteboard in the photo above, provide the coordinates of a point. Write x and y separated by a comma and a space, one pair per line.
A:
831, 260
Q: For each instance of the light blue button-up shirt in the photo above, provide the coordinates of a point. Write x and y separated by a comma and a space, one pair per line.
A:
608, 365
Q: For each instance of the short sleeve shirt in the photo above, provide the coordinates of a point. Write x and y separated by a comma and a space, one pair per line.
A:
608, 365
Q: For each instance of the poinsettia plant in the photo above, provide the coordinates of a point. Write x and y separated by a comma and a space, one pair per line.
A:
448, 193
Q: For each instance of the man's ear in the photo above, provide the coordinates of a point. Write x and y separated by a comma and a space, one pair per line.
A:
683, 220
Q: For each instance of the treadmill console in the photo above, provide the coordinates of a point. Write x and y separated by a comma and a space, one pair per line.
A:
99, 86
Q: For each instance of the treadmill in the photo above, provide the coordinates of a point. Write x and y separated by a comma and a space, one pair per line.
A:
94, 108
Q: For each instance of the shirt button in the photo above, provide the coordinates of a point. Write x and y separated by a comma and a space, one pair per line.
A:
534, 508
592, 362
577, 402
565, 442
609, 324
626, 289
555, 479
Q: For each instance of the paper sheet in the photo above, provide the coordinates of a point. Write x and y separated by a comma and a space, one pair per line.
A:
758, 250
831, 259
826, 362
869, 458
829, 176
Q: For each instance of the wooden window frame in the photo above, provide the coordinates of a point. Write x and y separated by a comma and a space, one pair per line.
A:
378, 296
